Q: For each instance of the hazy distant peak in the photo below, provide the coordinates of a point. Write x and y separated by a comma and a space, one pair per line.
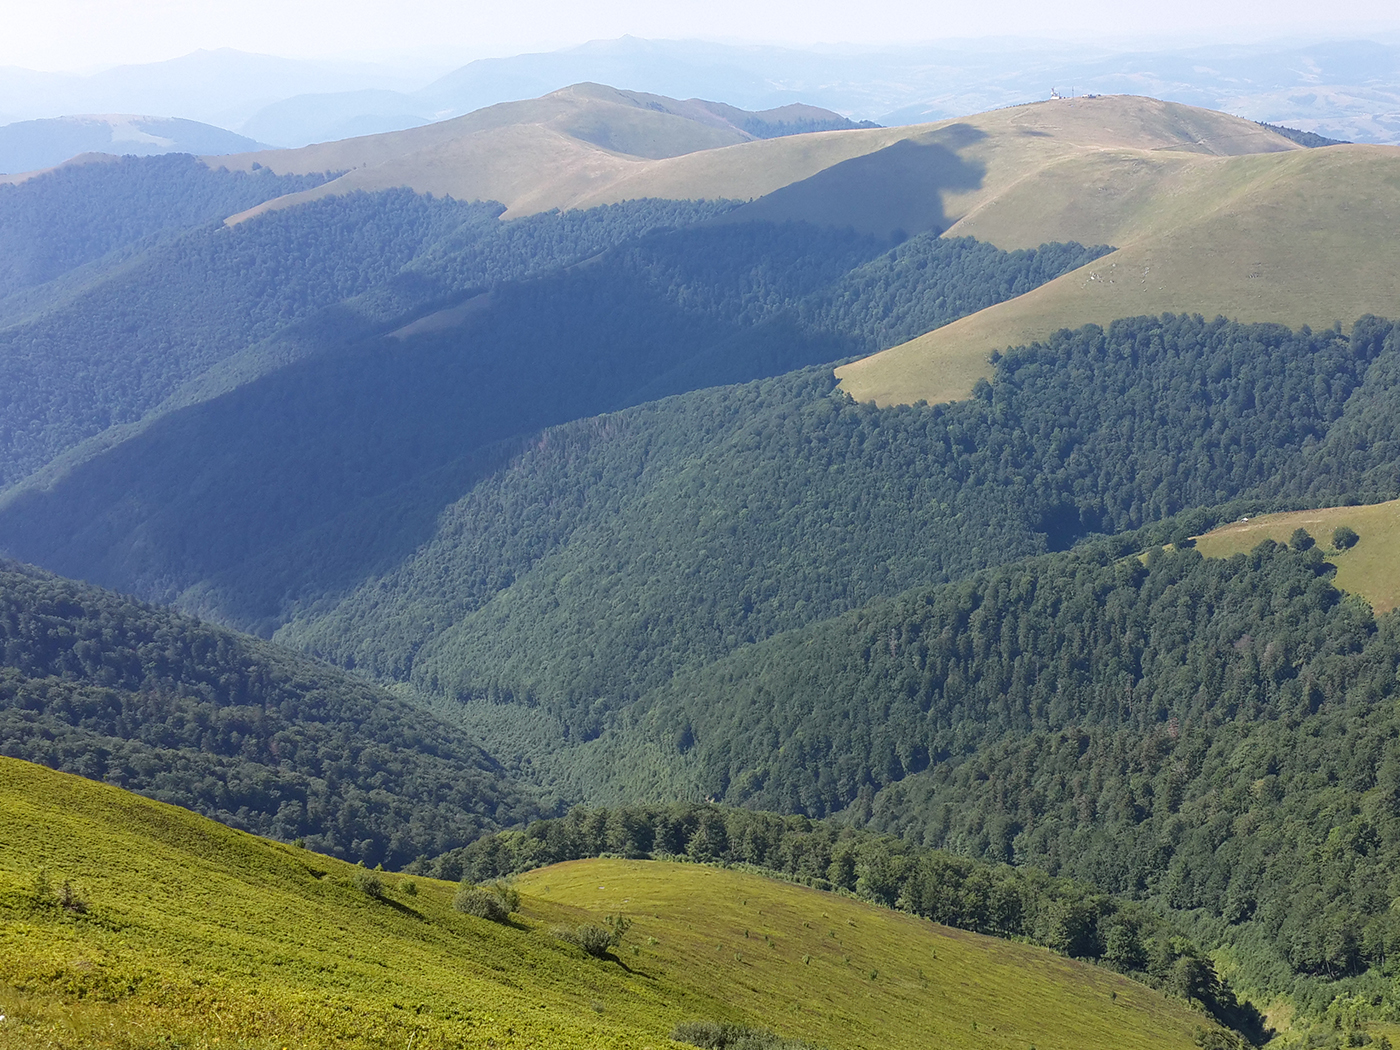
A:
32, 145
791, 119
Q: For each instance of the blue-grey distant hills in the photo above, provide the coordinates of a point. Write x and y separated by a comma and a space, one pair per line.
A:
30, 145
1341, 89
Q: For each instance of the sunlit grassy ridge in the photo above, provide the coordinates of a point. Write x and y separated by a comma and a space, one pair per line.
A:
588, 145
1294, 238
1212, 214
1370, 569
200, 936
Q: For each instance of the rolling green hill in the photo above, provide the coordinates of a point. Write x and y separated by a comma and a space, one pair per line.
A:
1020, 904
132, 923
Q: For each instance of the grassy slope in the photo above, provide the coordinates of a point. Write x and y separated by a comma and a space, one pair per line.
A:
1213, 214
531, 155
586, 145
875, 977
211, 937
1370, 569
1297, 238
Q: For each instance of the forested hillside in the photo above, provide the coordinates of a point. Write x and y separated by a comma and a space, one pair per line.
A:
320, 277
294, 507
240, 730
1209, 734
615, 553
62, 219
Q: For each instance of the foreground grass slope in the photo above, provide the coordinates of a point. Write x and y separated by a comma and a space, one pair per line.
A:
197, 935
840, 973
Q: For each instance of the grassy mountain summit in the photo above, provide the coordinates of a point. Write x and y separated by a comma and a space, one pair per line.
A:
1297, 237
589, 145
130, 922
554, 151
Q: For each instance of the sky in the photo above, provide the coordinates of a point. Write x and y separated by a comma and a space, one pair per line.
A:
85, 35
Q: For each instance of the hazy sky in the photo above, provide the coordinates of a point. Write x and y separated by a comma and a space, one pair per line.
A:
83, 34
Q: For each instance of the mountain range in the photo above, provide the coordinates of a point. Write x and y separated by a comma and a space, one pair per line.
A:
858, 504
1344, 89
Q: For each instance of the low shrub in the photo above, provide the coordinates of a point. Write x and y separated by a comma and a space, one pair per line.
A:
712, 1035
594, 939
69, 899
494, 901
369, 883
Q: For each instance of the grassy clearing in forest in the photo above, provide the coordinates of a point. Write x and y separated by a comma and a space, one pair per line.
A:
1370, 569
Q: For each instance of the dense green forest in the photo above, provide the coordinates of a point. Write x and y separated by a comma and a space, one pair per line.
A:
614, 553
334, 463
327, 273
1072, 918
76, 214
1213, 735
242, 731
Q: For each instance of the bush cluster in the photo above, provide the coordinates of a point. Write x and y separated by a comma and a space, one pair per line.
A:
714, 1035
494, 901
597, 940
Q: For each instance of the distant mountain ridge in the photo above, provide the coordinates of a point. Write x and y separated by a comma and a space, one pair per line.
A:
590, 144
1342, 89
34, 144
566, 149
